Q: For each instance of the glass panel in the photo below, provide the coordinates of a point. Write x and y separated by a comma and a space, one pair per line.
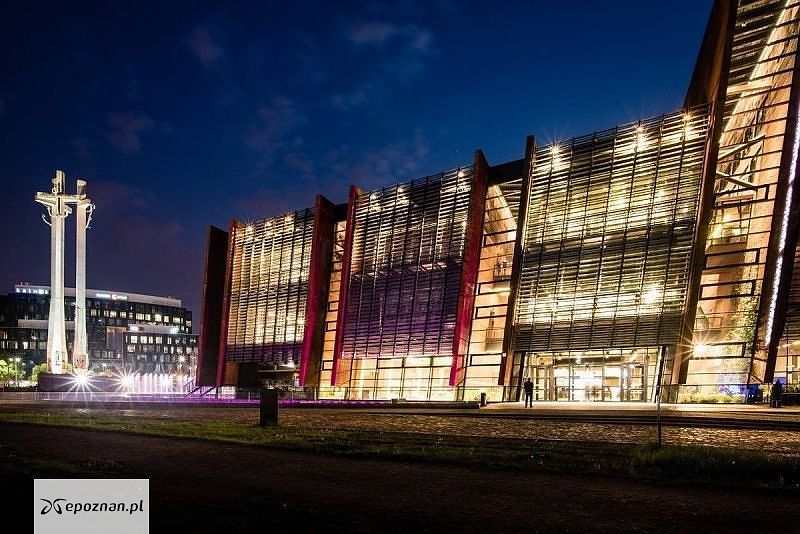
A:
748, 168
608, 237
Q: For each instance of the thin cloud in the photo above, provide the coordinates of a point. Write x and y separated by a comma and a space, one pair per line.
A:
347, 100
371, 33
126, 130
277, 121
400, 52
300, 163
380, 33
201, 43
394, 162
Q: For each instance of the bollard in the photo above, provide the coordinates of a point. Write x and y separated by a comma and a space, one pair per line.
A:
269, 407
483, 398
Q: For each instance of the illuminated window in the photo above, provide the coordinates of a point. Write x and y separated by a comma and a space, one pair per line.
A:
269, 285
609, 235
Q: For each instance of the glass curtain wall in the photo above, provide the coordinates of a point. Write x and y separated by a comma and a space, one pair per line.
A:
326, 391
607, 247
403, 288
727, 354
492, 291
269, 288
788, 365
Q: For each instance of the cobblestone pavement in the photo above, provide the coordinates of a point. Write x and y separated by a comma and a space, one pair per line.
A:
462, 423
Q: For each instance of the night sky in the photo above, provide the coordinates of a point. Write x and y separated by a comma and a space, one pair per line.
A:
181, 114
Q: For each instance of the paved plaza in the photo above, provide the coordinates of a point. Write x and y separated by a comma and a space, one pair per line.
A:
738, 426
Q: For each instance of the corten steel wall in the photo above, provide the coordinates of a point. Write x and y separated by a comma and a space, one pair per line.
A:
708, 84
608, 236
710, 75
344, 285
471, 261
268, 289
211, 305
783, 237
493, 282
516, 266
226, 292
743, 287
403, 288
319, 274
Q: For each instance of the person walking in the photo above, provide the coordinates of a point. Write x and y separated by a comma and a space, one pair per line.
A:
776, 394
528, 385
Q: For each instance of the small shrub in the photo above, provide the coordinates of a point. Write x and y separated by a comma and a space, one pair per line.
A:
712, 398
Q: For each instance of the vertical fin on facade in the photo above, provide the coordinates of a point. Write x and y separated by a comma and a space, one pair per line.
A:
211, 306
469, 267
710, 75
784, 231
226, 296
505, 363
341, 315
319, 275
742, 287
708, 84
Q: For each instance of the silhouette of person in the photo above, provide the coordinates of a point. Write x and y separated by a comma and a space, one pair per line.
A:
777, 393
528, 386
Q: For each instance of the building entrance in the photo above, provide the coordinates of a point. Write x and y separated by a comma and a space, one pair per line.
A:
618, 376
579, 382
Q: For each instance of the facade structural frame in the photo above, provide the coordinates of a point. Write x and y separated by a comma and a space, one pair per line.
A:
659, 255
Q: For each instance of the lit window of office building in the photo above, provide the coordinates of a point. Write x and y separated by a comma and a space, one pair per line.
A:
126, 332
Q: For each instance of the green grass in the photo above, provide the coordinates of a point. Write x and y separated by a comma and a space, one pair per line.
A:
670, 463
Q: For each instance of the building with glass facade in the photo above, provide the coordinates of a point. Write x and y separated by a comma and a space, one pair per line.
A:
127, 333
660, 252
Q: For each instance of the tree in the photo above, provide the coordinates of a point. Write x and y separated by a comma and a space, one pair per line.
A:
6, 372
41, 368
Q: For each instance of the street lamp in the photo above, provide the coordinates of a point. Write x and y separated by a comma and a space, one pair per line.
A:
16, 368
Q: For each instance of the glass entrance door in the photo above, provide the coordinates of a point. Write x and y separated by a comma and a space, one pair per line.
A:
543, 383
580, 377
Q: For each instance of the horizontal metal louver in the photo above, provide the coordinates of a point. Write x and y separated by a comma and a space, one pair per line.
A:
608, 236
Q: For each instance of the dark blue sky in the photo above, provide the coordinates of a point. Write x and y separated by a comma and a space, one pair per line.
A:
184, 114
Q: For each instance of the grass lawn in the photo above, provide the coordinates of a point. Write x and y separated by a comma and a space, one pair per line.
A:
667, 464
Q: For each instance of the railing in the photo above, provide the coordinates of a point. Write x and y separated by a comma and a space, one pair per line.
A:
501, 272
103, 397
494, 334
190, 386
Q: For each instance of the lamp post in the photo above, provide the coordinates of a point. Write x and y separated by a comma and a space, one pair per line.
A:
16, 369
658, 392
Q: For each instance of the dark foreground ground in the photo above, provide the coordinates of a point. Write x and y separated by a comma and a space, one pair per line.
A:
737, 427
198, 486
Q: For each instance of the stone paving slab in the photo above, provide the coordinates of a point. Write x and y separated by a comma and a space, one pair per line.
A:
444, 423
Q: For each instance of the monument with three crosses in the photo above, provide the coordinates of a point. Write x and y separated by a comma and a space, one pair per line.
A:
59, 206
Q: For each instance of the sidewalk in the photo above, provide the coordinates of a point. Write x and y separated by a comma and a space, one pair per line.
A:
647, 408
